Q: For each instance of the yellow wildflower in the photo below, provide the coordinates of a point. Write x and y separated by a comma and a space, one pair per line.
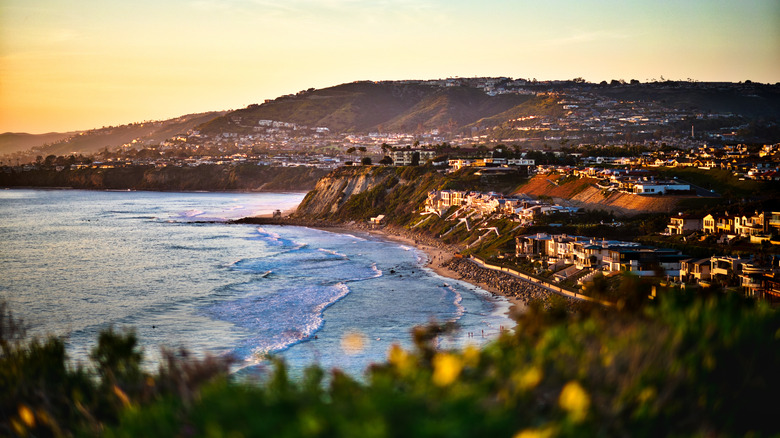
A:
536, 433
26, 414
575, 400
400, 358
529, 379
446, 368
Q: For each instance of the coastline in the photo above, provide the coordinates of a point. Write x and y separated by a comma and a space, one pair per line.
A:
439, 255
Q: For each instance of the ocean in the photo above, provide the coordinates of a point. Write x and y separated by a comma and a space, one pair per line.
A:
166, 265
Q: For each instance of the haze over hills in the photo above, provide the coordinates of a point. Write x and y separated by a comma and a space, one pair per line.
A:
11, 142
87, 142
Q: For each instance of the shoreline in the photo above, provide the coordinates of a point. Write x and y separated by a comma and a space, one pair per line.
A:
439, 255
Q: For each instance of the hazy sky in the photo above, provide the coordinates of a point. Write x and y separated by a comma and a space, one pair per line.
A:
80, 64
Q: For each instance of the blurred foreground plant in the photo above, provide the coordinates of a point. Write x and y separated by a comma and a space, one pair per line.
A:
43, 394
683, 365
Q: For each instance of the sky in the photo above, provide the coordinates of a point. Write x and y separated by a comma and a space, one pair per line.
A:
82, 64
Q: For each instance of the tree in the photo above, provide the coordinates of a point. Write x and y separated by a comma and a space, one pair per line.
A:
387, 161
362, 148
415, 158
366, 161
351, 150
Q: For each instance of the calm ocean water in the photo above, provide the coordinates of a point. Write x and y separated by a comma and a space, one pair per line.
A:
75, 262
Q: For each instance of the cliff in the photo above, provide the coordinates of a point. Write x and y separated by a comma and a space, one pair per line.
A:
244, 177
333, 190
359, 193
584, 193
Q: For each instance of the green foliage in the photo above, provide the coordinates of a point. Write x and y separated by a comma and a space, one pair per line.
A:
42, 394
722, 181
684, 365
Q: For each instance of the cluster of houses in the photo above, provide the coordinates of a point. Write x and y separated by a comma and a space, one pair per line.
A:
406, 157
634, 181
762, 165
759, 226
476, 205
582, 258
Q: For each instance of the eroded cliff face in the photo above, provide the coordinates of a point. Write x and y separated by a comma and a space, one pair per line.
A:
584, 193
333, 190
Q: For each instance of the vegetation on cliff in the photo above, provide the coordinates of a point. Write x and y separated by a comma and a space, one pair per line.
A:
212, 177
680, 366
359, 193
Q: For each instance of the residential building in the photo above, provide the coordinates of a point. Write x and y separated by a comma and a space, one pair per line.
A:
405, 157
683, 224
694, 270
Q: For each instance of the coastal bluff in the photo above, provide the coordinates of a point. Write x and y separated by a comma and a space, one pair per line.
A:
585, 193
211, 177
361, 192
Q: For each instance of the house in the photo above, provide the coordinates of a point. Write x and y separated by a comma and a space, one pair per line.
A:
708, 224
772, 222
694, 270
460, 163
377, 221
683, 224
749, 225
724, 266
644, 261
713, 224
658, 187
405, 157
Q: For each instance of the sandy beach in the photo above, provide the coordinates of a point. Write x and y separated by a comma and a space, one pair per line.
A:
441, 258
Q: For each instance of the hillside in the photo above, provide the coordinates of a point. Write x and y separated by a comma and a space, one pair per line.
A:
583, 192
87, 142
369, 106
11, 142
754, 100
417, 106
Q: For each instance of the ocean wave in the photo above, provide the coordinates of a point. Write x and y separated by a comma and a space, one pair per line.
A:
457, 301
277, 321
332, 252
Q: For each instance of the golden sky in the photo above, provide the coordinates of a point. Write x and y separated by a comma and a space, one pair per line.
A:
81, 64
